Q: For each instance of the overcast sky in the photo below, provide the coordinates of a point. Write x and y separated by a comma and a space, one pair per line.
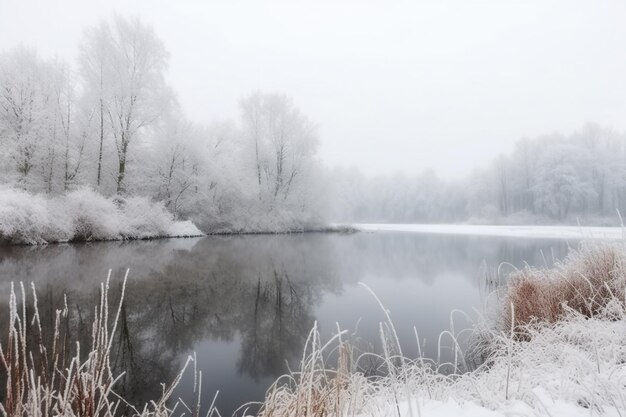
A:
394, 85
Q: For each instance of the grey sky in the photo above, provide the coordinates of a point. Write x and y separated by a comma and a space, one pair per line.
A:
394, 85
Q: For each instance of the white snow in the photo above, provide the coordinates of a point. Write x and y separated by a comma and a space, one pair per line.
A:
84, 215
546, 406
184, 229
573, 368
549, 232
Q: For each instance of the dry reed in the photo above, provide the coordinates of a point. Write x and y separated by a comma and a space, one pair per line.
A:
49, 375
585, 282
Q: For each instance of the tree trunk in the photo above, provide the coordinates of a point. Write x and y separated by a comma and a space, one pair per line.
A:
101, 128
121, 173
101, 142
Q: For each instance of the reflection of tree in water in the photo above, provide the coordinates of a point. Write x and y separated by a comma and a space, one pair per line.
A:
219, 288
278, 329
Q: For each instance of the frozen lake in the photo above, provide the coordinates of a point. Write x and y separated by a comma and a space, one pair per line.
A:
245, 304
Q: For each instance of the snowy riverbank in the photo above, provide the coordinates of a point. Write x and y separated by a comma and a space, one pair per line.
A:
84, 215
566, 362
572, 368
547, 232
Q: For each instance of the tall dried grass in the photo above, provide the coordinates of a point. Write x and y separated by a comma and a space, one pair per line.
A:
572, 367
50, 375
585, 282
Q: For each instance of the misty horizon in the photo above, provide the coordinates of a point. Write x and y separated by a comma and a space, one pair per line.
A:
394, 90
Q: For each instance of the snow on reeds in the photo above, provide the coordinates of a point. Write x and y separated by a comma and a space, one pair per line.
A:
585, 282
570, 360
49, 375
84, 215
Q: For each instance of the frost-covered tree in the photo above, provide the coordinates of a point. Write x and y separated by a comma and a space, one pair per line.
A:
94, 54
25, 100
173, 164
553, 177
282, 142
112, 123
124, 62
72, 124
560, 188
41, 149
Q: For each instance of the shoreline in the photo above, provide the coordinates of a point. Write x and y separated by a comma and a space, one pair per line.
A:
516, 231
85, 241
326, 229
332, 228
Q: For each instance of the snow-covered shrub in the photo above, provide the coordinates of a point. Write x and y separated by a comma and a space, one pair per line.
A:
184, 228
23, 217
83, 215
60, 225
255, 217
144, 219
94, 216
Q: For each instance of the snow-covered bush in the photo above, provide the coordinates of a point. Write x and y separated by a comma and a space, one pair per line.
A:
23, 217
144, 218
253, 216
94, 216
84, 215
184, 228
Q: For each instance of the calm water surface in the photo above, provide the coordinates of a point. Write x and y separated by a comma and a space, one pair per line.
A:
245, 304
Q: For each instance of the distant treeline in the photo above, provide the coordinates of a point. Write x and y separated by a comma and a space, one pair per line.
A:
551, 178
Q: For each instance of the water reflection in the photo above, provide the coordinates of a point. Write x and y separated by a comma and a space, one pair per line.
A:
245, 304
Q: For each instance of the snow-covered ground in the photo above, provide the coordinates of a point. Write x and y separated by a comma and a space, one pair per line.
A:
551, 232
569, 369
572, 368
570, 363
544, 405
